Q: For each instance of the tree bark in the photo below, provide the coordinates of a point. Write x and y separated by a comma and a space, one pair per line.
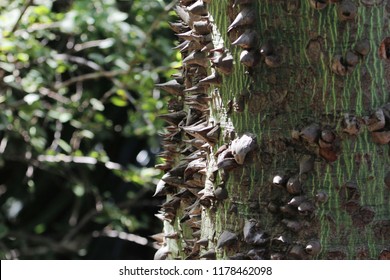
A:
305, 170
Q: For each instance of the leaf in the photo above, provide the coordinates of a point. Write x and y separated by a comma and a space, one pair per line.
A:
40, 228
6, 45
9, 67
38, 143
87, 134
96, 104
79, 190
122, 64
121, 93
68, 24
64, 117
65, 146
31, 98
23, 57
116, 16
41, 10
61, 116
3, 230
107, 43
117, 101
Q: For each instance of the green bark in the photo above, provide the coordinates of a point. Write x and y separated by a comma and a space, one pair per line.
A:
276, 104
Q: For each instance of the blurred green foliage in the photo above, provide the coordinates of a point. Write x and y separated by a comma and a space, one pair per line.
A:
78, 127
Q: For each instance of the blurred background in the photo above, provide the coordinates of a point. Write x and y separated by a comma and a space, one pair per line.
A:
78, 127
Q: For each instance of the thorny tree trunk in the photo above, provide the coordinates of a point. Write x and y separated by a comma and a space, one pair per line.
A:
305, 170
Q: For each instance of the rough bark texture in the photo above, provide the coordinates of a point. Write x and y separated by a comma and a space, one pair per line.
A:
315, 101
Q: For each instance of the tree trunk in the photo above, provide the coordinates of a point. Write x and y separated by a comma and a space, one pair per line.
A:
305, 120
